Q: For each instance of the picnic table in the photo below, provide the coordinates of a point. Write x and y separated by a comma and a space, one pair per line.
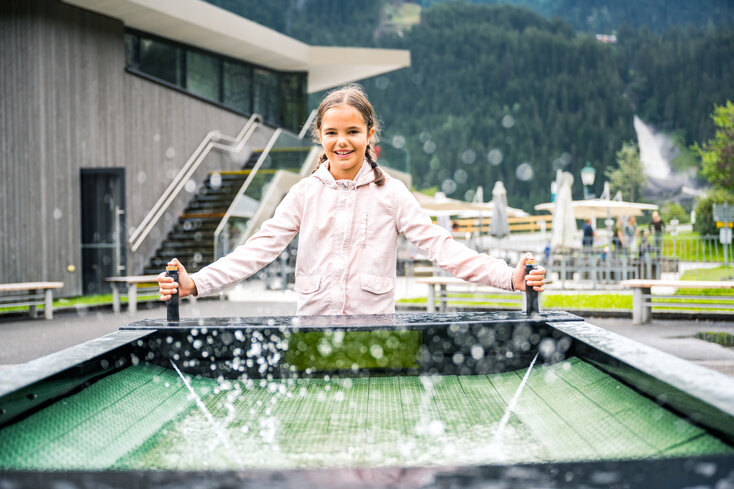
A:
462, 286
31, 294
642, 296
132, 282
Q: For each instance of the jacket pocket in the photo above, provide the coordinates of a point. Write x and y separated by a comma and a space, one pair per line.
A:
307, 284
375, 283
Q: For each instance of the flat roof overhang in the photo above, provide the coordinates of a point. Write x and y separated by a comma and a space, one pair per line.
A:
203, 25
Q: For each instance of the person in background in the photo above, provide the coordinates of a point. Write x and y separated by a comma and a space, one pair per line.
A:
349, 214
657, 226
630, 235
618, 236
589, 235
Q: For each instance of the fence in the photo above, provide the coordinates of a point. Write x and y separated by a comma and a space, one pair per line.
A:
699, 257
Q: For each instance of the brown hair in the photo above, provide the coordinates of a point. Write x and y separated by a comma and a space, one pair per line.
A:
354, 96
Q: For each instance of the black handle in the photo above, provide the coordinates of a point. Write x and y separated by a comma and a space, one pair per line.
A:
531, 295
172, 303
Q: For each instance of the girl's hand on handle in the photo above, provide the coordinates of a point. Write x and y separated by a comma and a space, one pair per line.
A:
167, 286
536, 278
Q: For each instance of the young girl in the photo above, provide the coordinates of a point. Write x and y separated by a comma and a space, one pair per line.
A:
349, 214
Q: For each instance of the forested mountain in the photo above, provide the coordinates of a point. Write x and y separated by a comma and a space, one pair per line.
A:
500, 92
603, 16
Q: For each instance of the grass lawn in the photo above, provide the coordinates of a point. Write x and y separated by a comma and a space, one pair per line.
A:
548, 300
710, 249
82, 301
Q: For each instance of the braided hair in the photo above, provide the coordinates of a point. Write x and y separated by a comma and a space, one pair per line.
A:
354, 96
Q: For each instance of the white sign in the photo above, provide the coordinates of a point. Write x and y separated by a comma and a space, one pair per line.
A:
725, 235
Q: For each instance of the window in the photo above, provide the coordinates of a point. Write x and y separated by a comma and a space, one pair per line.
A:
161, 60
244, 88
202, 75
237, 85
266, 100
293, 100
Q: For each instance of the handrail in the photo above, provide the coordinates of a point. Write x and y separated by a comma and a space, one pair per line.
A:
243, 188
307, 125
141, 232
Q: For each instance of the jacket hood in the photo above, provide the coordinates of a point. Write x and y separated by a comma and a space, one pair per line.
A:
365, 175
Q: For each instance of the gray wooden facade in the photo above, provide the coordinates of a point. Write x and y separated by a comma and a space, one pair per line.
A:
66, 104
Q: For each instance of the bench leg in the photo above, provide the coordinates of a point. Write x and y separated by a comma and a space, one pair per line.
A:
646, 306
48, 298
431, 303
33, 309
115, 298
132, 298
442, 299
641, 311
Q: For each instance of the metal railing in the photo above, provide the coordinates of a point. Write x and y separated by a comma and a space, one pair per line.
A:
241, 191
285, 141
702, 257
307, 125
213, 140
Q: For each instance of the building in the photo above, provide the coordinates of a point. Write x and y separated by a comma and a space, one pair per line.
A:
102, 104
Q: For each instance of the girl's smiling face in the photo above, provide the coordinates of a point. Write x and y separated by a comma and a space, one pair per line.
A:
344, 136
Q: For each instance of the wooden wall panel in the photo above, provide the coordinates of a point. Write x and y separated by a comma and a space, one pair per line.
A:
66, 104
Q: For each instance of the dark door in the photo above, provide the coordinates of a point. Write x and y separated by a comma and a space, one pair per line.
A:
103, 227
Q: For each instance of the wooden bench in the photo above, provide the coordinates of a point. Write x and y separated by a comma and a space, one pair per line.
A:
642, 296
459, 286
146, 282
31, 294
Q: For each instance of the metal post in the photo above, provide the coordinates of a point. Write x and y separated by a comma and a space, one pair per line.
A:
431, 304
115, 298
48, 311
132, 298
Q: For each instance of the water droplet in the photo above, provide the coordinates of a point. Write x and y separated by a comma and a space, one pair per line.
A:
547, 347
477, 352
376, 351
470, 194
190, 186
417, 78
469, 156
460, 176
142, 177
508, 121
435, 163
170, 152
524, 172
156, 137
429, 147
58, 214
448, 187
324, 348
398, 141
215, 180
435, 428
566, 159
495, 157
425, 137
382, 82
458, 358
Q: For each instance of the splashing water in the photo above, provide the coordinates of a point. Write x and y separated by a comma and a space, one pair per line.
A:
217, 429
497, 440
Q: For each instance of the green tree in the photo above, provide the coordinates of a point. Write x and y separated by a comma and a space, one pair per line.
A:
629, 176
717, 154
705, 223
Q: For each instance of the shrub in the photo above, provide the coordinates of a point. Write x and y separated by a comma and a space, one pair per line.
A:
705, 213
671, 210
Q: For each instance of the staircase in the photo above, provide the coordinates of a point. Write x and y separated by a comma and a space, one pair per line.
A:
191, 239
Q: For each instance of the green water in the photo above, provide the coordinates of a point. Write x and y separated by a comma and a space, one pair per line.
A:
145, 418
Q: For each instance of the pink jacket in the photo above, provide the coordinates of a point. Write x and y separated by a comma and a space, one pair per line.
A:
347, 245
